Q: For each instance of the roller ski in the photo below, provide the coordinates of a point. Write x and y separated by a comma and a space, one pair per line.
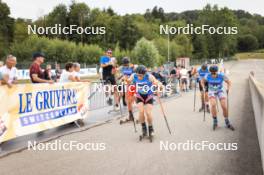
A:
201, 109
145, 135
130, 119
228, 125
231, 127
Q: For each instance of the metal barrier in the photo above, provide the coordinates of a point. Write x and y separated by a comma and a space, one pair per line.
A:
97, 96
257, 98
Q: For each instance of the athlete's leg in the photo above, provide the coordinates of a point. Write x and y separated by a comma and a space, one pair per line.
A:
149, 118
223, 103
142, 118
149, 113
212, 101
224, 107
141, 112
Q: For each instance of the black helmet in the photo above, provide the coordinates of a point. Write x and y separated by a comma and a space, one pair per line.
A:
213, 69
204, 66
125, 61
141, 69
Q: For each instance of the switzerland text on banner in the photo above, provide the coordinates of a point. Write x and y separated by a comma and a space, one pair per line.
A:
30, 108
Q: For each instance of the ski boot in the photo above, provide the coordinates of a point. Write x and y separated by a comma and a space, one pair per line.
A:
109, 101
215, 123
228, 125
151, 133
144, 131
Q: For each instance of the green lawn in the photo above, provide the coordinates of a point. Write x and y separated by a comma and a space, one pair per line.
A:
259, 54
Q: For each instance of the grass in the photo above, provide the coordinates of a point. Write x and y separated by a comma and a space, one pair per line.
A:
258, 54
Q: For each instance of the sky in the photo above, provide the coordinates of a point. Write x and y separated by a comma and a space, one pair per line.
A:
32, 9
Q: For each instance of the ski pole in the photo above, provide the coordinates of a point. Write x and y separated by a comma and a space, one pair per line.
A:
194, 100
134, 124
162, 109
227, 99
204, 104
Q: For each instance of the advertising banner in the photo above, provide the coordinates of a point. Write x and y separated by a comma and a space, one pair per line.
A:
30, 108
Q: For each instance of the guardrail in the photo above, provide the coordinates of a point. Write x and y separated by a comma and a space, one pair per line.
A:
257, 98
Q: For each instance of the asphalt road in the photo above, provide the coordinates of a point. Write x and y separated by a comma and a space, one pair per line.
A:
125, 154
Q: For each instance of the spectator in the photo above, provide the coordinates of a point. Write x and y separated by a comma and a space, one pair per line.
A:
68, 74
35, 71
191, 78
58, 72
9, 71
108, 76
174, 79
47, 73
164, 74
77, 69
1, 64
184, 78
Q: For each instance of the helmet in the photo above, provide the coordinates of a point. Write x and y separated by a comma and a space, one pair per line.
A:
141, 69
213, 69
125, 61
204, 66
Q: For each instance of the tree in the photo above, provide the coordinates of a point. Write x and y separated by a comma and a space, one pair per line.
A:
59, 15
146, 53
78, 15
129, 33
247, 43
6, 29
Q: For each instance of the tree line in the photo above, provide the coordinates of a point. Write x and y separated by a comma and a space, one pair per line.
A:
133, 35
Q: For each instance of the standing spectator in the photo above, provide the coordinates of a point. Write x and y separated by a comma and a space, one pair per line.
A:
9, 71
35, 71
191, 78
164, 74
108, 76
47, 72
68, 74
174, 79
184, 78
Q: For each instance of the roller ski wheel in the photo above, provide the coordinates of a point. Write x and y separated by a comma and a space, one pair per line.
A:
151, 138
214, 126
142, 136
231, 127
151, 133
